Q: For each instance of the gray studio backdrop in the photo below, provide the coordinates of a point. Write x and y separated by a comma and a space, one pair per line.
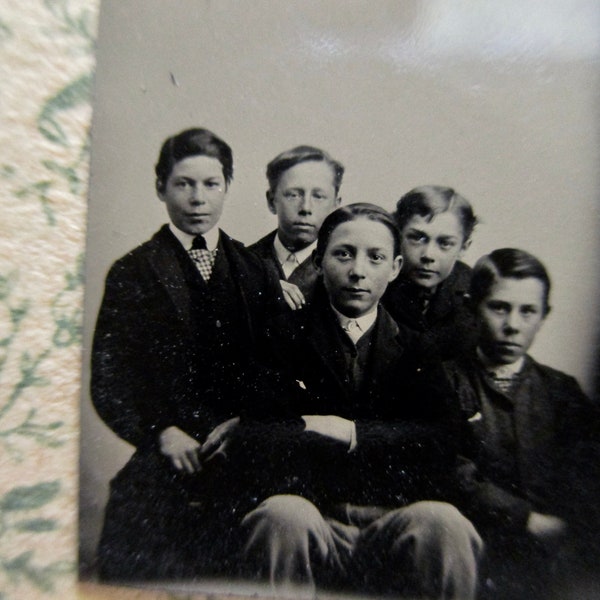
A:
497, 99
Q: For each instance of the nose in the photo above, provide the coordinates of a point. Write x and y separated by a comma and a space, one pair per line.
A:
306, 205
512, 323
428, 253
197, 196
357, 270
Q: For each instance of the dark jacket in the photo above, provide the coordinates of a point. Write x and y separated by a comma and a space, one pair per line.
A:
166, 352
305, 275
532, 449
403, 414
448, 328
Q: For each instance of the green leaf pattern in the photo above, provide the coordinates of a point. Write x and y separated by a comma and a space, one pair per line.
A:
32, 499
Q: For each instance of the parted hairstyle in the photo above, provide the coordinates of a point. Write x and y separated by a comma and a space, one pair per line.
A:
507, 263
431, 200
290, 158
192, 142
352, 212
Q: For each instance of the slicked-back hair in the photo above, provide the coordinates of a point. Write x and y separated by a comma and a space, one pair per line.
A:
192, 142
352, 212
507, 263
429, 201
290, 158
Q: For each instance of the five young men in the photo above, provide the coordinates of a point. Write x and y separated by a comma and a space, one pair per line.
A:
318, 446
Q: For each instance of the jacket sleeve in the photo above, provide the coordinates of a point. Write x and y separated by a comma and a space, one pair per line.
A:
414, 435
127, 390
482, 500
578, 496
488, 504
405, 438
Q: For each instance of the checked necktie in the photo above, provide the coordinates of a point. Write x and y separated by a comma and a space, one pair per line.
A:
203, 258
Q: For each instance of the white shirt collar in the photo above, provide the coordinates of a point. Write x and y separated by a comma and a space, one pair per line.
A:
362, 323
500, 371
282, 252
186, 240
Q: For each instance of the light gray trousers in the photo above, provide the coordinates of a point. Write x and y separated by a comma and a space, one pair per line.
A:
427, 549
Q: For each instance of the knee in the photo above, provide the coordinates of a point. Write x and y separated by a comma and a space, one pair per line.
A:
439, 522
284, 512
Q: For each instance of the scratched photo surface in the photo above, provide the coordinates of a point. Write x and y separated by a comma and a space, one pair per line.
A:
498, 101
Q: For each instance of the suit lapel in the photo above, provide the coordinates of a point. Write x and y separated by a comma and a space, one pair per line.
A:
323, 336
165, 263
266, 251
305, 275
240, 274
387, 348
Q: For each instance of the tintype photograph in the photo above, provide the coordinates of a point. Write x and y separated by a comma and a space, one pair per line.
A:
341, 315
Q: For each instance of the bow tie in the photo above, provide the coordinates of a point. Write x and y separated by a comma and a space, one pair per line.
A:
203, 258
199, 243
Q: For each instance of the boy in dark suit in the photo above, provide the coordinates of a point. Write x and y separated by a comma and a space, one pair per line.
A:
170, 363
530, 460
358, 462
304, 186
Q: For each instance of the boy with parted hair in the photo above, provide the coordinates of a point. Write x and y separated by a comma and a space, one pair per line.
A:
174, 338
529, 471
357, 467
304, 185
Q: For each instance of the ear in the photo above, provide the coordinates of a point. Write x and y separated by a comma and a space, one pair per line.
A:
160, 188
317, 262
271, 202
395, 268
464, 248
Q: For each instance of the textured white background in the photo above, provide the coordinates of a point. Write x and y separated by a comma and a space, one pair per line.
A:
496, 99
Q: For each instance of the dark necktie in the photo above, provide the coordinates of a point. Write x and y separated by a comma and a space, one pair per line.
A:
203, 259
199, 243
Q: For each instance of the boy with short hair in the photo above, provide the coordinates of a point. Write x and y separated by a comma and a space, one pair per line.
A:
358, 473
304, 185
527, 428
172, 347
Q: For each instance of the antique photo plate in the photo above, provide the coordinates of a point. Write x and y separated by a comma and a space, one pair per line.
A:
497, 101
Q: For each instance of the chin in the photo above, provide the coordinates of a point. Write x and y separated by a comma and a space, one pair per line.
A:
508, 359
425, 283
353, 311
304, 241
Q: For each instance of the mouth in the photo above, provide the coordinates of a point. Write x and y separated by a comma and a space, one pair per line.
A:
356, 291
198, 217
426, 272
509, 345
304, 226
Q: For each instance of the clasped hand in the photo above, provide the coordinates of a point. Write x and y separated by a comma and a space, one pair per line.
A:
187, 454
546, 527
331, 426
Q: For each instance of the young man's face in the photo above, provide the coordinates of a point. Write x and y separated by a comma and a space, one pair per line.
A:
304, 196
510, 317
358, 264
194, 194
431, 248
